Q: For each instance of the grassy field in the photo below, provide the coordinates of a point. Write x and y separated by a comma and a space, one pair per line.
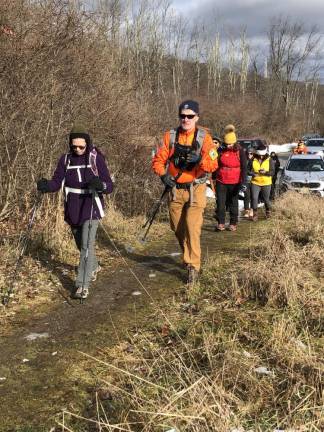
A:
241, 351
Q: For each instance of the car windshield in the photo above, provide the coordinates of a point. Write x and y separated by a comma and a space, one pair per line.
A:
245, 143
306, 165
316, 143
249, 143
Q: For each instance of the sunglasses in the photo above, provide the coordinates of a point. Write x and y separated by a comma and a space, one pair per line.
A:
75, 147
188, 116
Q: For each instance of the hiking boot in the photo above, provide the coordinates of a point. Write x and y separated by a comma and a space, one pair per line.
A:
254, 216
246, 214
192, 275
268, 214
232, 227
220, 227
95, 273
81, 294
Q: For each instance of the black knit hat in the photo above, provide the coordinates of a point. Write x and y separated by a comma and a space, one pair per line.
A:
79, 131
190, 105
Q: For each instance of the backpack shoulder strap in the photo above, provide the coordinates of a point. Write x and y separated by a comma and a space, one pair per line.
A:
67, 160
173, 137
200, 136
93, 161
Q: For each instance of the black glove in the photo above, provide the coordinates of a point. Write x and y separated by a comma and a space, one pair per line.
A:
193, 158
42, 185
96, 184
168, 180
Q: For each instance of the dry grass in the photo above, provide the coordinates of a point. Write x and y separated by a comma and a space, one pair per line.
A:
244, 351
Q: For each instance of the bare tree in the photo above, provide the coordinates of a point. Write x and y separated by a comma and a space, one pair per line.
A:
290, 51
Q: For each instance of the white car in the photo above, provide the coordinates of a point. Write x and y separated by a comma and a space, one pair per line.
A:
315, 146
304, 174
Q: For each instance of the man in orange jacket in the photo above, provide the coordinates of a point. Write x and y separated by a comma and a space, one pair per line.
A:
301, 148
184, 160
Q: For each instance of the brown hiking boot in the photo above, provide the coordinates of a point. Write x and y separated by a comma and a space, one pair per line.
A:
254, 216
192, 275
246, 214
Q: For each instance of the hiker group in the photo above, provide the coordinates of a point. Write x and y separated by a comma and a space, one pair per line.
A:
187, 159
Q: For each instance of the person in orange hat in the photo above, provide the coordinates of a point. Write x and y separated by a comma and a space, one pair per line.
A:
301, 148
183, 162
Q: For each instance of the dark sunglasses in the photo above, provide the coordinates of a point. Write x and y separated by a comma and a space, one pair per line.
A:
189, 116
78, 147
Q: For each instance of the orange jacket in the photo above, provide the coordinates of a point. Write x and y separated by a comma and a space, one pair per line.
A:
208, 162
301, 150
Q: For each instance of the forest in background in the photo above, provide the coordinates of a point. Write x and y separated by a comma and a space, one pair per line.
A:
122, 67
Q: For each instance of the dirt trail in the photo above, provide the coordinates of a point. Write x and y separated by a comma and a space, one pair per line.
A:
32, 392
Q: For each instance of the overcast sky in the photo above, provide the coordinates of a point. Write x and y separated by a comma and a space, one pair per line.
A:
254, 16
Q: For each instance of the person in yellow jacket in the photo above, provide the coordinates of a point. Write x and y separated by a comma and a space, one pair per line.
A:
184, 160
262, 171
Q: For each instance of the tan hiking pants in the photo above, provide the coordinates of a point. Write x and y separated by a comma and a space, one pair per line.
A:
186, 221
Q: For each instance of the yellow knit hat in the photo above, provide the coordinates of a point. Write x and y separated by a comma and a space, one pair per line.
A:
229, 135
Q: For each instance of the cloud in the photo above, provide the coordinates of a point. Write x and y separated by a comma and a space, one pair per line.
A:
254, 15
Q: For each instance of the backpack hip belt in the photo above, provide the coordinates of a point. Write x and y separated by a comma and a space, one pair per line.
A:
68, 190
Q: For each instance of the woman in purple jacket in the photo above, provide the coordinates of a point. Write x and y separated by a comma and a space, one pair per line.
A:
84, 175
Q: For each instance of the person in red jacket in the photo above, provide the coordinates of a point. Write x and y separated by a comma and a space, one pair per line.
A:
183, 162
230, 178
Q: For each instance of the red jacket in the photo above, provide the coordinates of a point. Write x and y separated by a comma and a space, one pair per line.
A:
232, 166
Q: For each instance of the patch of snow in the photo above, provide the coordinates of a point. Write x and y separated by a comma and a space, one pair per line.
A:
136, 293
34, 336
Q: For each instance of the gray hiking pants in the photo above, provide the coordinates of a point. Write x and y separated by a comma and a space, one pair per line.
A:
88, 262
255, 192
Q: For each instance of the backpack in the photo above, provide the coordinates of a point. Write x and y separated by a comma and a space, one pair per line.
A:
181, 152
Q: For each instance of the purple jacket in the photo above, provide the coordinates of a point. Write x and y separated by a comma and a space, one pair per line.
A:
76, 172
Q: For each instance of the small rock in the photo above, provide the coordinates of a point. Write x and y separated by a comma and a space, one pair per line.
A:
136, 293
263, 370
173, 254
129, 249
54, 353
152, 275
2, 379
25, 360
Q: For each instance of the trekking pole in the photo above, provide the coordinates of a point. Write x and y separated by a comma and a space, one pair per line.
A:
86, 257
24, 238
150, 220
